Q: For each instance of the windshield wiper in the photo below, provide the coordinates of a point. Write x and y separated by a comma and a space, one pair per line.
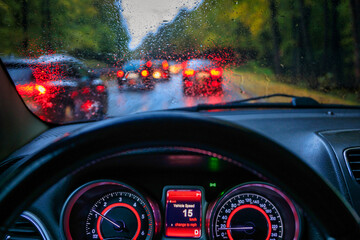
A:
296, 102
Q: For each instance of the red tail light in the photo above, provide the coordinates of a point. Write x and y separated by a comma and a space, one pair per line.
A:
188, 72
100, 88
25, 90
31, 90
216, 72
120, 73
74, 94
85, 90
41, 89
144, 73
86, 106
215, 83
165, 65
188, 83
148, 64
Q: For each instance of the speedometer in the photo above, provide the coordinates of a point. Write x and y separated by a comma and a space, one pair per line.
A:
119, 215
248, 214
109, 210
254, 211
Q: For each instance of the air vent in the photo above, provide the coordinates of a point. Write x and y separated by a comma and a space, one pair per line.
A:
26, 227
352, 157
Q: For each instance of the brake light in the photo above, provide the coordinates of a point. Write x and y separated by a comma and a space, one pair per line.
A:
215, 83
216, 72
74, 94
188, 83
120, 73
25, 90
148, 64
144, 73
86, 106
157, 74
41, 89
85, 90
100, 88
189, 72
31, 90
165, 65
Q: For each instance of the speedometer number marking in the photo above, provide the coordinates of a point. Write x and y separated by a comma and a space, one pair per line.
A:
248, 215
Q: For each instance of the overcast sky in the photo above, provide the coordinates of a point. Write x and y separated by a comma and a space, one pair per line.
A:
145, 16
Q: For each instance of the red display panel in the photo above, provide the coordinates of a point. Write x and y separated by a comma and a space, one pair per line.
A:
183, 213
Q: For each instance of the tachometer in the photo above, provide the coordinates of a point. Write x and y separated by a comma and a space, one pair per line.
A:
109, 210
119, 215
253, 211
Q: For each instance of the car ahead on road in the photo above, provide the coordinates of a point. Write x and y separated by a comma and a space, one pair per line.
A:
159, 69
135, 75
90, 93
201, 76
49, 99
91, 89
58, 87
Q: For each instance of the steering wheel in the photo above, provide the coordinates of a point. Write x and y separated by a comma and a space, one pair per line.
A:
40, 171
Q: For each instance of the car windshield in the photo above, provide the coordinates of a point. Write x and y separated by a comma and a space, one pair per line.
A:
80, 60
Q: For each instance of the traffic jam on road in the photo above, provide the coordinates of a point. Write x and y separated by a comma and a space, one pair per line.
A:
61, 87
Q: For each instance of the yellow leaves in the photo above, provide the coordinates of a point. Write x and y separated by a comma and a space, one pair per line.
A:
77, 8
212, 39
4, 6
253, 14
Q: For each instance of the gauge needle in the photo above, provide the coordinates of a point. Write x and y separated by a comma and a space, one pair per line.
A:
107, 219
237, 228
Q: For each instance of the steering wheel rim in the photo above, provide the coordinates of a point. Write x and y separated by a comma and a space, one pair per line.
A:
335, 216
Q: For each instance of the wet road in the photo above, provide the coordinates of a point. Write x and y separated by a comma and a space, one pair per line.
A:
167, 94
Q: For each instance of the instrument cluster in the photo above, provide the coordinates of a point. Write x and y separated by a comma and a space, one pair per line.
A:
109, 209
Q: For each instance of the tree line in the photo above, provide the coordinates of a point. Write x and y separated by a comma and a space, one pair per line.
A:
313, 42
309, 41
88, 29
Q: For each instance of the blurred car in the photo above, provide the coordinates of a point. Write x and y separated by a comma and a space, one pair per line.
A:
90, 94
135, 75
46, 98
175, 67
159, 69
58, 87
202, 76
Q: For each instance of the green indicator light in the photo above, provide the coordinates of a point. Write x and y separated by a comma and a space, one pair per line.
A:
212, 184
222, 193
214, 164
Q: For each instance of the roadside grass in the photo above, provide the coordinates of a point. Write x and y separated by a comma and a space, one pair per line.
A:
258, 81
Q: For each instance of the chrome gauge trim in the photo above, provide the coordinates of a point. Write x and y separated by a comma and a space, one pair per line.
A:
82, 190
37, 223
253, 188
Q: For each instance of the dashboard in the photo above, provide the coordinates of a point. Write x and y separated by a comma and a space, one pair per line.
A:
189, 192
170, 194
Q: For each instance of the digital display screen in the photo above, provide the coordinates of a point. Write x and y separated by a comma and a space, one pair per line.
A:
183, 213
